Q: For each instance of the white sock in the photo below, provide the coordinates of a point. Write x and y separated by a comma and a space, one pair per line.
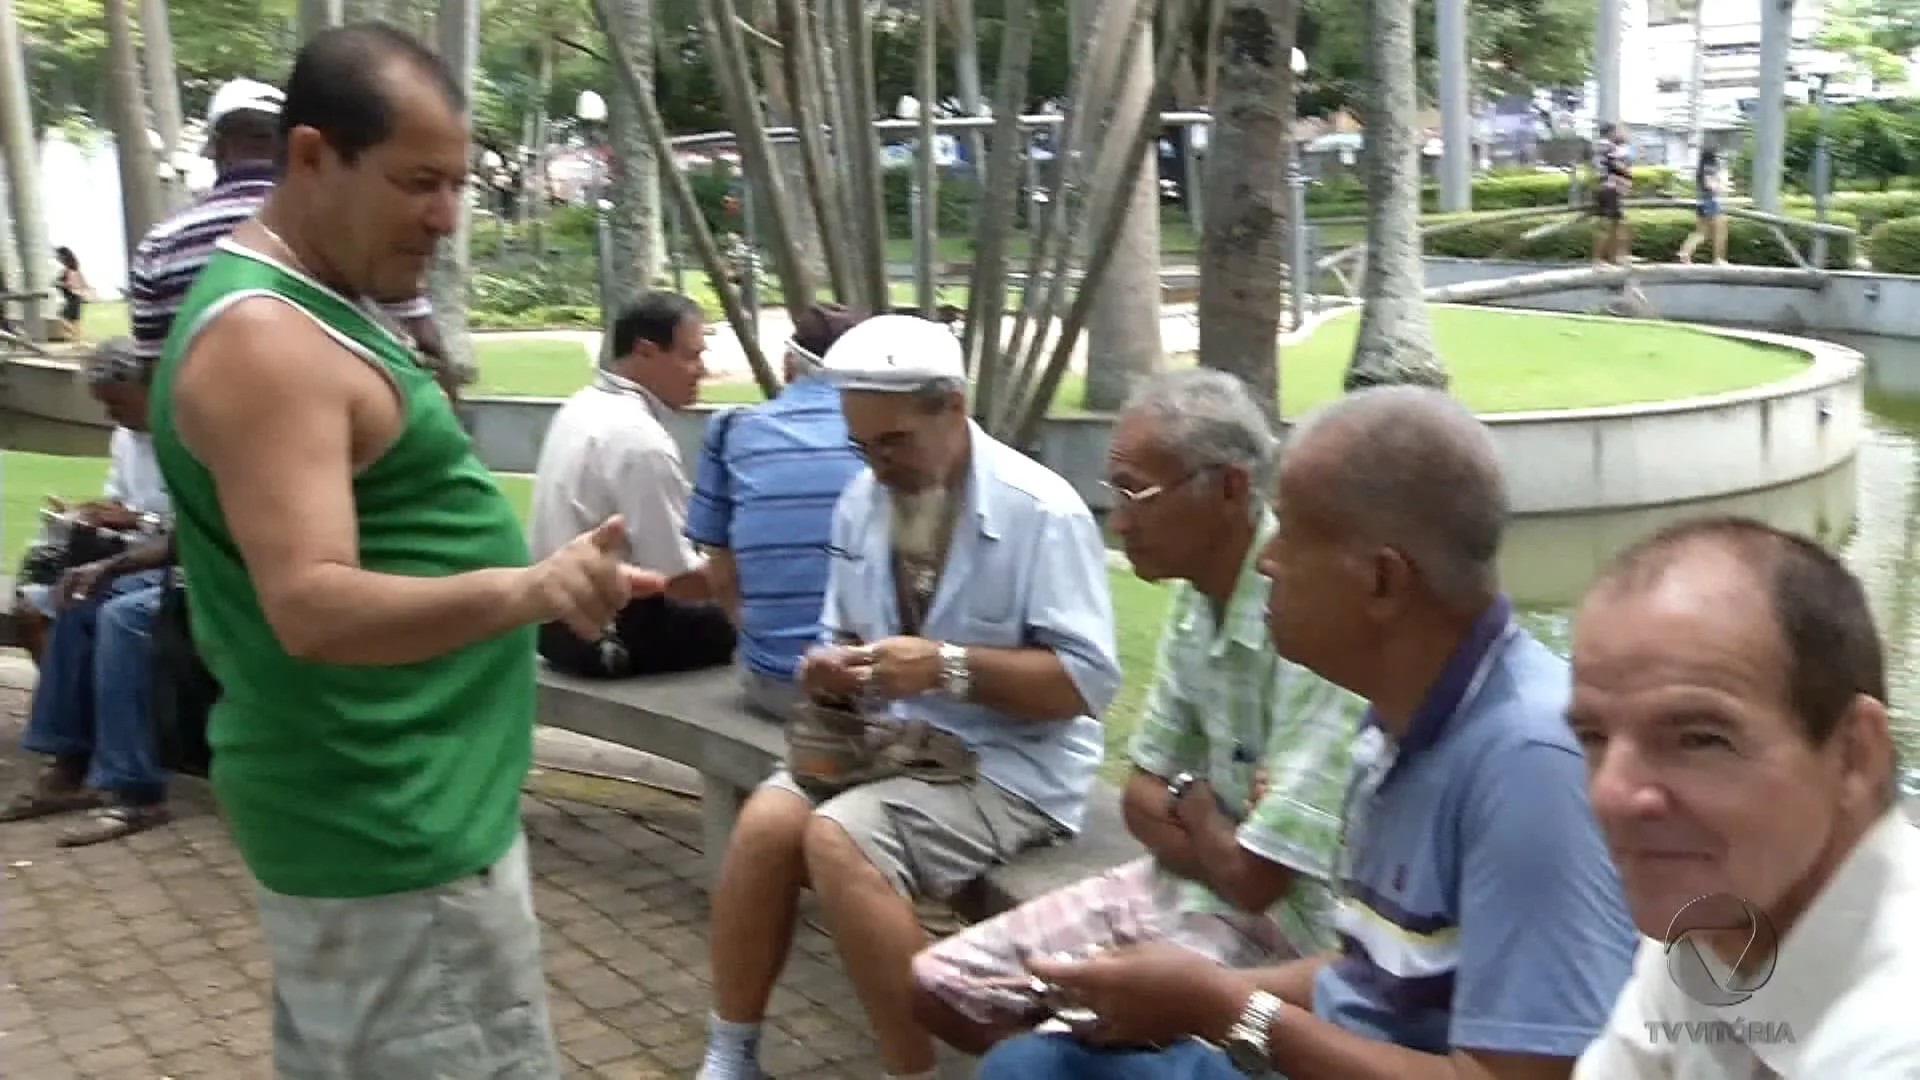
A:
733, 1050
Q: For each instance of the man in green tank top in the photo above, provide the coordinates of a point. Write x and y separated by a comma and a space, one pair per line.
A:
360, 589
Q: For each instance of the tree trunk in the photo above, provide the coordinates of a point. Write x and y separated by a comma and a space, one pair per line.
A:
1243, 245
459, 39
163, 89
966, 76
789, 156
139, 187
318, 15
633, 222
1395, 339
1123, 328
534, 191
29, 234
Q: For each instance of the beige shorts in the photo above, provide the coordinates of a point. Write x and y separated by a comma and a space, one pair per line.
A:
930, 840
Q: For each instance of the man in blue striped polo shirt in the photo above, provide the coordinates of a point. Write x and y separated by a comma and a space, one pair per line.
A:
762, 506
1483, 930
243, 136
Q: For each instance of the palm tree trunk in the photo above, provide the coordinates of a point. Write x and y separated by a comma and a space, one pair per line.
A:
633, 222
1243, 243
1123, 330
1395, 342
533, 181
163, 90
139, 187
28, 237
459, 39
318, 15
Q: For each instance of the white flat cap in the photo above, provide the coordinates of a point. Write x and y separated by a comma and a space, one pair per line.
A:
243, 95
894, 354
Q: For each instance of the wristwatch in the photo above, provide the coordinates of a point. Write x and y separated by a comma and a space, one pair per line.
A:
1246, 1041
1176, 790
955, 677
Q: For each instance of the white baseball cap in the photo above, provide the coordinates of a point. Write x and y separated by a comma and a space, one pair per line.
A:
894, 354
243, 95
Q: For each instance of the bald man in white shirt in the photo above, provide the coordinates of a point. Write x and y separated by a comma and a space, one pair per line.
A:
1730, 691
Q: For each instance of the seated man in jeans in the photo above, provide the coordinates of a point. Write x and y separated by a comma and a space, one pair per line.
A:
762, 508
1190, 468
608, 452
90, 705
1481, 924
968, 590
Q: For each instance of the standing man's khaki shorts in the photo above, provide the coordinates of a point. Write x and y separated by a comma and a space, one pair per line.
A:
930, 840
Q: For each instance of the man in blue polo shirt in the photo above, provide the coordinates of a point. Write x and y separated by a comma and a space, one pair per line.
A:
762, 507
1482, 928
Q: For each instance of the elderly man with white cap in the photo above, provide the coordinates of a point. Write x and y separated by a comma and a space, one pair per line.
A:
973, 632
243, 137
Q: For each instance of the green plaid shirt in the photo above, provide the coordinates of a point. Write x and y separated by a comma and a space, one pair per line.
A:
1222, 702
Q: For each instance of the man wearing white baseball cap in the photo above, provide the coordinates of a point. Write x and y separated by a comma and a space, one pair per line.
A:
243, 137
968, 606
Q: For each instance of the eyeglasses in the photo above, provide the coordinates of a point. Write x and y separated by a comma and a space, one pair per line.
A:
1136, 499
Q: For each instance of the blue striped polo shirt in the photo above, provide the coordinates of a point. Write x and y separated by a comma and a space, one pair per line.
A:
1481, 909
768, 479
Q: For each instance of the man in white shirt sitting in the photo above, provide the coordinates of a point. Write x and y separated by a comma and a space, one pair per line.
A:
90, 713
1730, 691
608, 452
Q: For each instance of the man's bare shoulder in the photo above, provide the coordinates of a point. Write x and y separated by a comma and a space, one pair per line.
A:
259, 345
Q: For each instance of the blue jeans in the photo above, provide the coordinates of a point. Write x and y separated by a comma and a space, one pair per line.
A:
1063, 1057
94, 688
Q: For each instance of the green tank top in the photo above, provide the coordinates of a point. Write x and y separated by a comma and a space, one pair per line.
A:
343, 781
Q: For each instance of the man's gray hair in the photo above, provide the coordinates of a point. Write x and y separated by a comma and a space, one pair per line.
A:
1416, 470
932, 396
1207, 418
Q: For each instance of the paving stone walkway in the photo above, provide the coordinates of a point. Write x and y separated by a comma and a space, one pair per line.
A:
140, 960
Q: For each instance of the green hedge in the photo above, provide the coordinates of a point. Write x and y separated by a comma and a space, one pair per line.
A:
1657, 235
1346, 197
1870, 207
1896, 246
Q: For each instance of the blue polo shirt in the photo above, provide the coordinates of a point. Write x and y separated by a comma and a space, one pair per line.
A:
1481, 909
768, 479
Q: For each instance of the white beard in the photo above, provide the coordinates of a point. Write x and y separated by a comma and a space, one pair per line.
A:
919, 524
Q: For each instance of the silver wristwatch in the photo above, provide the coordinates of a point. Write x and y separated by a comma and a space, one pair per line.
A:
1177, 790
1246, 1041
955, 678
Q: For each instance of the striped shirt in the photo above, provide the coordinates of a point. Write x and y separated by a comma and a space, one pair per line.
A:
1221, 705
173, 252
768, 479
1480, 909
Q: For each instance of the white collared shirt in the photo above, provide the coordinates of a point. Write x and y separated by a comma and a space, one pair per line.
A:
1835, 1007
607, 452
133, 474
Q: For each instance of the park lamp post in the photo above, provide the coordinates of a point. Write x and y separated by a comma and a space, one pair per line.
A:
1298, 271
490, 163
591, 110
1821, 70
908, 108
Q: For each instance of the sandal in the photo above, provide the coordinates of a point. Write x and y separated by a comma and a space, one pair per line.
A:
113, 823
41, 802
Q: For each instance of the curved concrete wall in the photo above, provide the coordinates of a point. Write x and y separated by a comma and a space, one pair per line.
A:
1557, 462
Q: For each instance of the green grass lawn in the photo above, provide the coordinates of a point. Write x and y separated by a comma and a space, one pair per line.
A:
25, 478
1502, 361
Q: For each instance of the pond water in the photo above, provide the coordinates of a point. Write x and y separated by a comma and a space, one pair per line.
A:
1868, 511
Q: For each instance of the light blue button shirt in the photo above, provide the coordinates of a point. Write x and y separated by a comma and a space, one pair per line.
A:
1026, 567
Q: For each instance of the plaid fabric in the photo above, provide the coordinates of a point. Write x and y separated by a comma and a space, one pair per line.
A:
1222, 706
981, 971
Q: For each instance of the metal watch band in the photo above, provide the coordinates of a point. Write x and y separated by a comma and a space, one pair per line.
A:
1246, 1042
956, 680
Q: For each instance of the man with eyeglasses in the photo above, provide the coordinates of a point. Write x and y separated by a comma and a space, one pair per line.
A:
967, 599
1482, 930
1236, 874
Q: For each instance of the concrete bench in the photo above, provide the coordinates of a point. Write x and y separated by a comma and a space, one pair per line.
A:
700, 719
9, 626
